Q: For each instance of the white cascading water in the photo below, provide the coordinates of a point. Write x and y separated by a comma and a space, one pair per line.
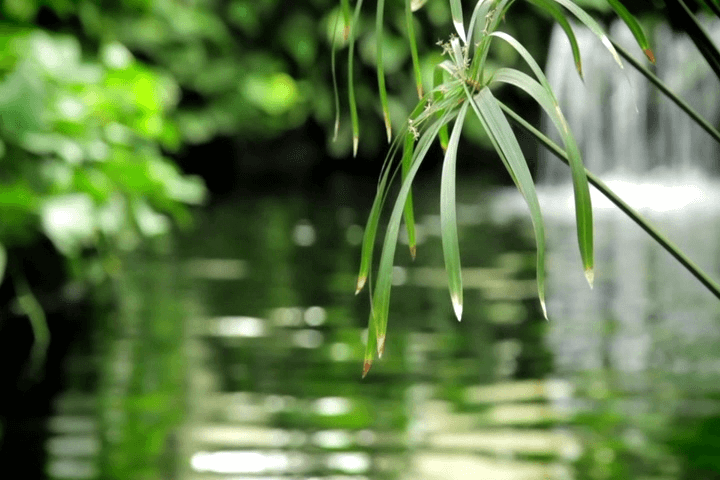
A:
645, 307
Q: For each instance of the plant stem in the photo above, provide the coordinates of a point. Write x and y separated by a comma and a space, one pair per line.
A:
669, 93
673, 249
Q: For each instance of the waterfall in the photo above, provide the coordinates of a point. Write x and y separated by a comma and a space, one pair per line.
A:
624, 126
646, 312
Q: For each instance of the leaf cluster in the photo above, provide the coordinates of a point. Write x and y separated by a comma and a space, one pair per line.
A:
465, 83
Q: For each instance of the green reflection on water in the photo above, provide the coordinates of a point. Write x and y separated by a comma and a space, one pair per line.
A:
240, 350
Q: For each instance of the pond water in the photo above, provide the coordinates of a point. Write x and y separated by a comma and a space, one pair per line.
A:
237, 353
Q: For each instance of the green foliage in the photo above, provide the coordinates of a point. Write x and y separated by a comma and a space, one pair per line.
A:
469, 77
82, 146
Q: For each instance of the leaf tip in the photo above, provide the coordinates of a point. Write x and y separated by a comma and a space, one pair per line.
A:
356, 139
388, 127
366, 367
544, 308
420, 91
380, 345
360, 284
590, 276
457, 306
346, 33
413, 251
649, 54
578, 66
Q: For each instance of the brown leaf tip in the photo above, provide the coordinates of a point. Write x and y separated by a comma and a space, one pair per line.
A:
413, 251
366, 367
649, 54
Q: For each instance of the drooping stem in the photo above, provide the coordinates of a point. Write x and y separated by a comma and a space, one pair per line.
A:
673, 249
668, 93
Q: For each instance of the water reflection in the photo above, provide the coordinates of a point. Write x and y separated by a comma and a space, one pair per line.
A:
257, 315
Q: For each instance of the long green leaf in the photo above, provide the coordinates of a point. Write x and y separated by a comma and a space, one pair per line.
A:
371, 344
381, 297
379, 38
3, 262
413, 47
351, 83
437, 97
558, 15
634, 27
409, 215
670, 247
345, 6
496, 125
448, 216
594, 27
368, 243
583, 205
456, 11
336, 94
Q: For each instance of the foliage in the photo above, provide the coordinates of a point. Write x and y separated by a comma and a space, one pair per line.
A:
467, 81
83, 136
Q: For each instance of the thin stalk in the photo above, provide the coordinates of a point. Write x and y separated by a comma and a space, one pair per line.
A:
668, 93
673, 249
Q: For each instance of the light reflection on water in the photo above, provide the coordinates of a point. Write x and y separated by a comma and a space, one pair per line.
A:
275, 339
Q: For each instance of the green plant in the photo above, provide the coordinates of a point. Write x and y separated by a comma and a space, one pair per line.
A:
464, 83
81, 150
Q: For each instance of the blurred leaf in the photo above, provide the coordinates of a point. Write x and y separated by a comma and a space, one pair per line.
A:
411, 6
68, 221
380, 67
409, 215
686, 19
3, 262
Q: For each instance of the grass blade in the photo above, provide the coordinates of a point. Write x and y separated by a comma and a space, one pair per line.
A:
558, 15
496, 125
634, 27
409, 215
381, 296
437, 97
336, 93
594, 27
351, 84
448, 216
370, 232
371, 344
379, 37
413, 47
583, 205
456, 11
345, 6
